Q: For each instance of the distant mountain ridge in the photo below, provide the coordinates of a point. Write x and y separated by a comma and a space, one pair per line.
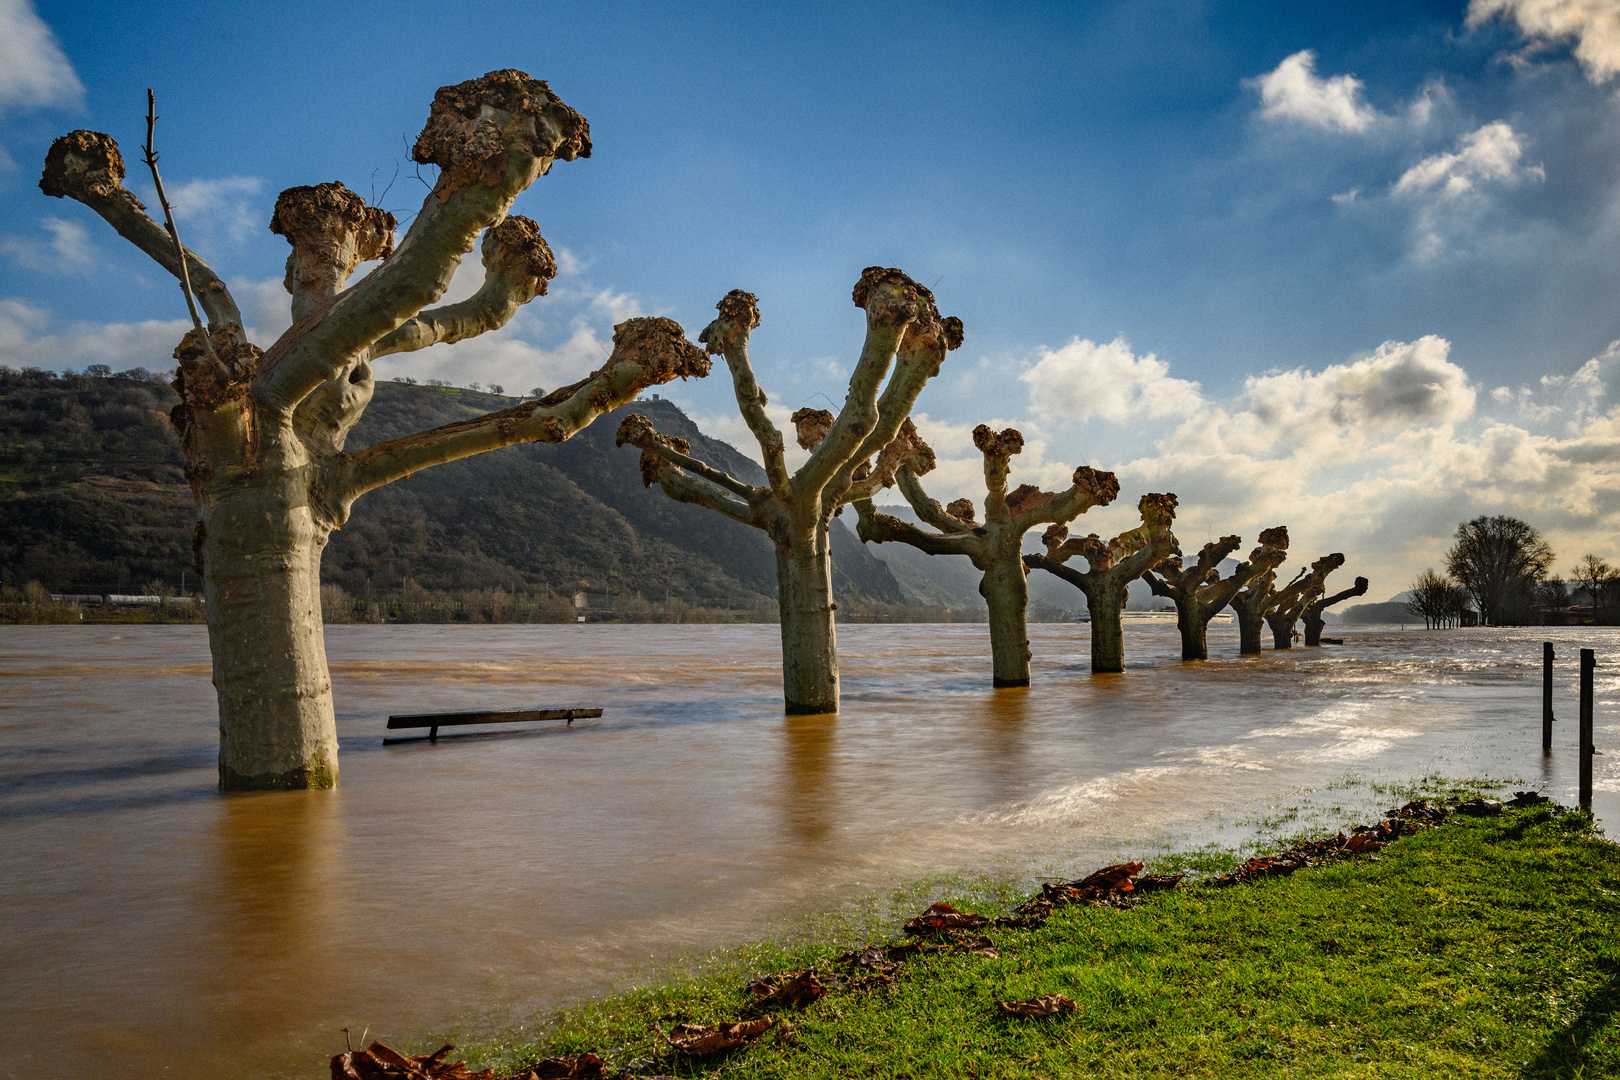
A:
93, 500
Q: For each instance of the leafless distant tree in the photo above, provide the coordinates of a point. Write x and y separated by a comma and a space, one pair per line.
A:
1601, 583
263, 432
1437, 600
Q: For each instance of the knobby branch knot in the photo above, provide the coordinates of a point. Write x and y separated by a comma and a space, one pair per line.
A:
472, 125
812, 425
82, 164
332, 230
1103, 487
516, 246
739, 313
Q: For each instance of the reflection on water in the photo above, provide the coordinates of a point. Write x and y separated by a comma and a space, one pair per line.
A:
150, 926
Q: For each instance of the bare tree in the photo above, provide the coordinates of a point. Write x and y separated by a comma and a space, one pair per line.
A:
1312, 615
263, 432
1254, 599
1111, 567
1287, 605
1200, 592
1437, 600
1600, 582
853, 455
996, 547
1499, 560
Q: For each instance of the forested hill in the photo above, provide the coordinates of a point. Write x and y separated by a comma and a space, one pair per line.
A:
92, 500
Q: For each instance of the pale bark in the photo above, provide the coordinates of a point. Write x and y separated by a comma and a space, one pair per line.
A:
264, 434
1289, 604
1198, 591
1111, 567
1312, 616
1251, 601
996, 547
850, 453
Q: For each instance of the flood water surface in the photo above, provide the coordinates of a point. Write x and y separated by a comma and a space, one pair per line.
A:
151, 926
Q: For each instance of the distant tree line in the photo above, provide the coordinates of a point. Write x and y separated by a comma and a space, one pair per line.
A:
1498, 573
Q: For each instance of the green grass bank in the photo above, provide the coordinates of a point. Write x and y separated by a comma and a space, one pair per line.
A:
1484, 947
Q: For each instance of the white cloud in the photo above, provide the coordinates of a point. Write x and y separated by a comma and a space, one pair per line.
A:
68, 251
28, 338
1594, 25
1490, 154
226, 208
1083, 380
34, 73
1295, 92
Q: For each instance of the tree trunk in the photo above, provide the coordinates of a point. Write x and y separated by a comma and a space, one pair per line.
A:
1249, 626
261, 552
1194, 626
1282, 631
1106, 603
809, 645
1005, 588
1313, 629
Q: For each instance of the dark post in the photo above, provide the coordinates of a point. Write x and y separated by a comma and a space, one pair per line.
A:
1546, 695
1588, 662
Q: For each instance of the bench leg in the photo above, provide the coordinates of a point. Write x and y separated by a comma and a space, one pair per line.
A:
433, 733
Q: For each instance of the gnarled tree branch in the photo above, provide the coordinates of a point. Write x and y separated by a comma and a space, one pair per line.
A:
728, 335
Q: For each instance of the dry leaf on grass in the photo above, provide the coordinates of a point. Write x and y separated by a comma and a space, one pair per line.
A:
944, 917
1049, 1005
382, 1062
785, 989
573, 1067
706, 1040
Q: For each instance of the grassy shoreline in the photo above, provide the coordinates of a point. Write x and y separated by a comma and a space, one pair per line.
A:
1481, 947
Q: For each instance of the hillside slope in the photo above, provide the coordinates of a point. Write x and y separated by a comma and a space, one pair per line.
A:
92, 500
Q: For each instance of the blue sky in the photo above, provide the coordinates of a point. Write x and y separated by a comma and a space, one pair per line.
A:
1350, 267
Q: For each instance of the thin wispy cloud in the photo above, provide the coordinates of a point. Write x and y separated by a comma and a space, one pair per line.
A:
34, 72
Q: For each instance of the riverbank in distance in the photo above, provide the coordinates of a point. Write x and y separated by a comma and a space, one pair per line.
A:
1480, 946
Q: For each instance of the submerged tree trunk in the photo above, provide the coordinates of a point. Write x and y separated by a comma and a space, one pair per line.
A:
261, 550
1250, 624
1106, 602
809, 643
1282, 629
1193, 623
1005, 588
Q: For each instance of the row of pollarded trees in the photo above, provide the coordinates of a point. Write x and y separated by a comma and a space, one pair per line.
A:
796, 510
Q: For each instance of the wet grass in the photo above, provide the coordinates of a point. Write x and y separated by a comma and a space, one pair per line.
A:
1487, 947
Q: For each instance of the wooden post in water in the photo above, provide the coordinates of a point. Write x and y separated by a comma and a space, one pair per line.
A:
1546, 696
1588, 662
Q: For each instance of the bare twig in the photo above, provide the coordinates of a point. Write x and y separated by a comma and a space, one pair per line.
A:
168, 218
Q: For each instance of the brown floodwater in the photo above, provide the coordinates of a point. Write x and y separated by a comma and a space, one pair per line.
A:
150, 926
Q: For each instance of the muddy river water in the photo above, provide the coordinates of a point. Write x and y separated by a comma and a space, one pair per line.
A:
150, 926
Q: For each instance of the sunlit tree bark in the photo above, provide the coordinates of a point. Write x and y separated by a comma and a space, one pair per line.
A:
996, 547
1287, 605
1111, 567
1200, 592
852, 455
263, 432
1251, 602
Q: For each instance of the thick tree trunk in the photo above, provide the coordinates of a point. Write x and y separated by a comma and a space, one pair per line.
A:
1249, 626
1106, 604
1005, 588
1313, 629
1194, 625
1282, 631
809, 644
262, 572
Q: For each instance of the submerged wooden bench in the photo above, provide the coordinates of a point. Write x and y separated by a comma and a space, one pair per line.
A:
434, 721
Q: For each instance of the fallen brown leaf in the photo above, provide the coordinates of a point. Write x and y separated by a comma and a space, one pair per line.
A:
944, 917
786, 988
706, 1040
1049, 1005
382, 1062
1110, 878
573, 1067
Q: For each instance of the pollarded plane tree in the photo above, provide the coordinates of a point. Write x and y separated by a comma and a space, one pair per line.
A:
1200, 592
1289, 604
263, 433
996, 547
1312, 615
1110, 568
1253, 600
852, 456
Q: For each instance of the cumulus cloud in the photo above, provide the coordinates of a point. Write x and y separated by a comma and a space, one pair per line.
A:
1293, 91
1083, 380
1594, 26
34, 73
1491, 154
226, 209
68, 251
